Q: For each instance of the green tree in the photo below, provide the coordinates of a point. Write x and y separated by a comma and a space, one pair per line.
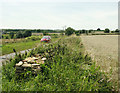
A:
2, 36
69, 31
27, 33
11, 35
45, 33
106, 30
19, 34
117, 31
83, 31
6, 37
77, 33
98, 29
90, 31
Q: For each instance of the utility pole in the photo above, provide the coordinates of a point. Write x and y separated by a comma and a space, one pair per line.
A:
64, 28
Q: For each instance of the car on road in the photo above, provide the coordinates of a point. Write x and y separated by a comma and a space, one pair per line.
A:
45, 39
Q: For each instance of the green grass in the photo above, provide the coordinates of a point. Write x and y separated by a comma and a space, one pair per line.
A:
8, 48
66, 69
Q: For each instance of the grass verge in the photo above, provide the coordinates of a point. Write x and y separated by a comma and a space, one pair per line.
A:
8, 48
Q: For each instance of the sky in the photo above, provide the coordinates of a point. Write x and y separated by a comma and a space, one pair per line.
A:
51, 14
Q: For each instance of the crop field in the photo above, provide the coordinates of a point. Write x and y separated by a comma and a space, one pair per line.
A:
104, 50
67, 68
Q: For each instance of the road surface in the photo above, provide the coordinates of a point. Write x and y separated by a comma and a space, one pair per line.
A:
12, 55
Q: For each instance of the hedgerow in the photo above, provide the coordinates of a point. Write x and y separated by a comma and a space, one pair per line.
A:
67, 68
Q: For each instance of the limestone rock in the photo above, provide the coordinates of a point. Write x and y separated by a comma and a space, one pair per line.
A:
27, 65
28, 59
35, 58
43, 59
19, 64
34, 65
30, 63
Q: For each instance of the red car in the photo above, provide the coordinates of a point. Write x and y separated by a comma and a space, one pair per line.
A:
46, 39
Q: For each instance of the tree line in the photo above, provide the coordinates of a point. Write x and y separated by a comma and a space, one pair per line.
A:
22, 33
70, 31
18, 34
32, 30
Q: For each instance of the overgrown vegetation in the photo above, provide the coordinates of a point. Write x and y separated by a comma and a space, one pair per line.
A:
66, 69
107, 30
69, 31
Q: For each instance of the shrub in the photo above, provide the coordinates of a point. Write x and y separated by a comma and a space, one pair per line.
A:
98, 29
77, 34
6, 37
11, 35
117, 31
107, 30
45, 33
27, 33
69, 31
83, 31
19, 35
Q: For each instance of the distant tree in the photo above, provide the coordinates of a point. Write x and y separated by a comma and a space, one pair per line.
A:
38, 31
98, 29
19, 34
117, 31
11, 35
45, 33
69, 31
2, 36
80, 31
106, 30
112, 31
77, 33
6, 37
27, 33
90, 31
83, 31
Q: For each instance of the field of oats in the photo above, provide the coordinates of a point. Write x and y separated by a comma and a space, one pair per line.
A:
104, 50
